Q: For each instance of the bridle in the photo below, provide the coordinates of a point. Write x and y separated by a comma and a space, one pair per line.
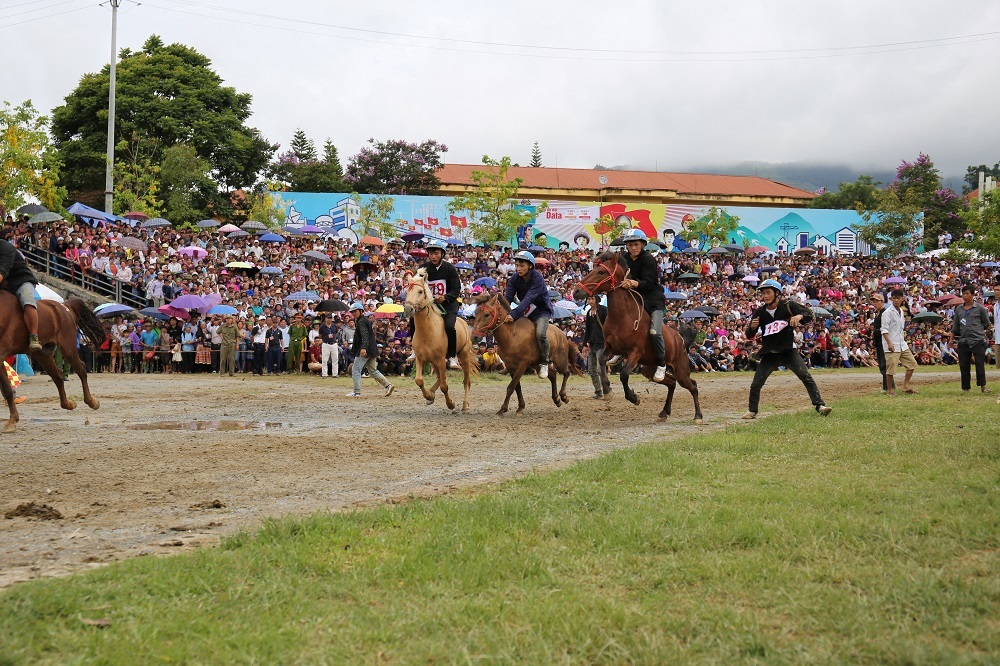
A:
493, 323
427, 301
594, 287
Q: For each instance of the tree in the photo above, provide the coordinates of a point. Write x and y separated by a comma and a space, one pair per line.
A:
983, 220
309, 175
940, 205
972, 176
396, 167
303, 147
711, 229
137, 179
536, 156
188, 189
493, 198
892, 226
849, 195
169, 94
373, 216
264, 204
28, 164
608, 227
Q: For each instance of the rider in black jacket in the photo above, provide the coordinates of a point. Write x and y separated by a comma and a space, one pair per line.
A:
17, 278
643, 275
446, 287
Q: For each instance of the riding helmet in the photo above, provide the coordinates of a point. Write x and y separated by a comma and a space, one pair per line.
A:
524, 255
356, 305
770, 284
634, 235
436, 245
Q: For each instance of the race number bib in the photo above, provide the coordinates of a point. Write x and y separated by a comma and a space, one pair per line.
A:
437, 287
531, 308
775, 327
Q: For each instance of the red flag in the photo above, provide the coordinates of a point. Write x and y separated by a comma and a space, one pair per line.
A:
418, 222
444, 232
459, 222
432, 222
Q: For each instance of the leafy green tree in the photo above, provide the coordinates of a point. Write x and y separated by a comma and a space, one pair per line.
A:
166, 93
303, 147
137, 179
849, 195
396, 167
983, 219
188, 189
28, 163
536, 156
492, 198
264, 204
920, 182
373, 216
302, 173
712, 229
892, 226
972, 176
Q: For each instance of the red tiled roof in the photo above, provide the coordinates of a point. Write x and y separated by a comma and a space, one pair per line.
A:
587, 179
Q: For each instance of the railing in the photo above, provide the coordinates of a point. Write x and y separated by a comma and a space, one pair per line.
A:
63, 269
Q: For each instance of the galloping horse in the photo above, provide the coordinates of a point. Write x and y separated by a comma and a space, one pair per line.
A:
57, 324
518, 348
430, 342
626, 332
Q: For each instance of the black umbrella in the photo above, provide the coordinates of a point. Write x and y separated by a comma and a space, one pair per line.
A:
32, 209
44, 218
332, 305
709, 310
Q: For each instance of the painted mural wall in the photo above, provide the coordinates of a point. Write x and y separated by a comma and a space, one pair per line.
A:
575, 224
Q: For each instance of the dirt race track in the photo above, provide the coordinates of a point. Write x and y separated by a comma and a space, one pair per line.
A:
135, 478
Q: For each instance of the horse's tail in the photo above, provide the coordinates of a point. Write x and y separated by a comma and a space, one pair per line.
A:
86, 320
574, 358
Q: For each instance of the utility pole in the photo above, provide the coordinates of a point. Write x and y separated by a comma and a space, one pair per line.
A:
109, 190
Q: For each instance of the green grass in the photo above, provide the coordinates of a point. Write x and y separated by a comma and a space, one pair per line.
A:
871, 536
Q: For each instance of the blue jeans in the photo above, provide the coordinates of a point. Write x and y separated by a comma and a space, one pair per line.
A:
360, 365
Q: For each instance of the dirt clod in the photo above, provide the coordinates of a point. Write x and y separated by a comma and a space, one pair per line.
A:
32, 510
214, 504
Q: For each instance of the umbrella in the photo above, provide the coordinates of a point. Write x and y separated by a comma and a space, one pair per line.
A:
239, 233
468, 310
44, 218
814, 301
153, 313
756, 248
485, 283
929, 317
689, 276
954, 300
136, 215
332, 305
240, 264
990, 264
454, 241
250, 225
822, 312
310, 229
112, 309
208, 224
289, 231
133, 243
555, 294
366, 264
751, 278
675, 296
411, 236
770, 269
418, 252
694, 314
270, 270
222, 310
463, 266
32, 209
391, 308
188, 302
45, 293
537, 248
732, 247
562, 313
194, 251
690, 250
155, 222
719, 250
272, 238
709, 310
805, 251
299, 270
228, 228
542, 261
735, 276
171, 311
371, 240
895, 280
303, 296
316, 255
566, 305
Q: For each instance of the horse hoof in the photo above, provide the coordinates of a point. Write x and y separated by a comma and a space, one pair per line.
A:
94, 404
663, 416
430, 401
699, 422
501, 412
9, 427
68, 405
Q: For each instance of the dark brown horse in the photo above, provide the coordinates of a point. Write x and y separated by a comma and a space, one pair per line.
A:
626, 333
518, 348
57, 324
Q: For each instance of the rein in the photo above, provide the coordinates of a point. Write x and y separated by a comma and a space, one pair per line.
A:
493, 325
592, 288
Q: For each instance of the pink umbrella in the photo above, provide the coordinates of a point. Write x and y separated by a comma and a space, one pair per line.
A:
171, 311
194, 251
228, 229
751, 278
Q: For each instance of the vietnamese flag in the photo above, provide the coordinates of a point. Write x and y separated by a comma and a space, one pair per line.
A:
640, 218
432, 222
459, 222
445, 232
418, 222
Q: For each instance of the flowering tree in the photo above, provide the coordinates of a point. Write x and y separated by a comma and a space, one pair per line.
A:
396, 167
920, 182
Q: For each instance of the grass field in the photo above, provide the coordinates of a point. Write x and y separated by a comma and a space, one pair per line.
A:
871, 536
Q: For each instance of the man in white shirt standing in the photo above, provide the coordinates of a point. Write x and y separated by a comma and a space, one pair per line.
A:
894, 343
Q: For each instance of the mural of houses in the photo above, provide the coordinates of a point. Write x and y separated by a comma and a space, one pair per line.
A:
344, 215
781, 246
824, 245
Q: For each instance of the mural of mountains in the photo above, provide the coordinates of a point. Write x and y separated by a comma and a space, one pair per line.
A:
773, 232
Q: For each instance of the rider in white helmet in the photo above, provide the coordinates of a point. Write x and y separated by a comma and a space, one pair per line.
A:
529, 288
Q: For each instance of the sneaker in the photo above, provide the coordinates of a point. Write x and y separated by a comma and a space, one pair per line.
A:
543, 371
19, 399
389, 389
453, 364
34, 344
614, 360
661, 373
824, 410
749, 415
353, 395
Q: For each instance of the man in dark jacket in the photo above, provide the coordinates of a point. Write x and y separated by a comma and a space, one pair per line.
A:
529, 289
446, 287
593, 337
365, 352
970, 323
878, 300
17, 278
777, 319
643, 275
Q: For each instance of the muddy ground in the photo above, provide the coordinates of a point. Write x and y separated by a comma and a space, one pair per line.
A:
138, 478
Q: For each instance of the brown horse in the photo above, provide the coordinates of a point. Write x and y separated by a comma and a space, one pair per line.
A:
519, 349
57, 324
626, 332
430, 342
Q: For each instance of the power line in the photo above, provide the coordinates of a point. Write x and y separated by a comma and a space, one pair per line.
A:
36, 9
47, 16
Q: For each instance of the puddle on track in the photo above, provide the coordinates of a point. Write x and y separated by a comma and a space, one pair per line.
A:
204, 426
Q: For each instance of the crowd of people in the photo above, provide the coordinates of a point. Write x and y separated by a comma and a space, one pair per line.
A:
271, 334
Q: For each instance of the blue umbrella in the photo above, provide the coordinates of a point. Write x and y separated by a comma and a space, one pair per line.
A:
485, 283
222, 310
814, 301
464, 265
208, 224
561, 313
112, 309
272, 238
675, 296
537, 249
694, 314
990, 264
454, 241
153, 313
270, 270
303, 296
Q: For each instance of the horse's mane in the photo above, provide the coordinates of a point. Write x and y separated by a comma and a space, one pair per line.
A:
503, 301
604, 256
479, 299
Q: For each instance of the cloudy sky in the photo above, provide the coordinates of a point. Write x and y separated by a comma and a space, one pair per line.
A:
671, 84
